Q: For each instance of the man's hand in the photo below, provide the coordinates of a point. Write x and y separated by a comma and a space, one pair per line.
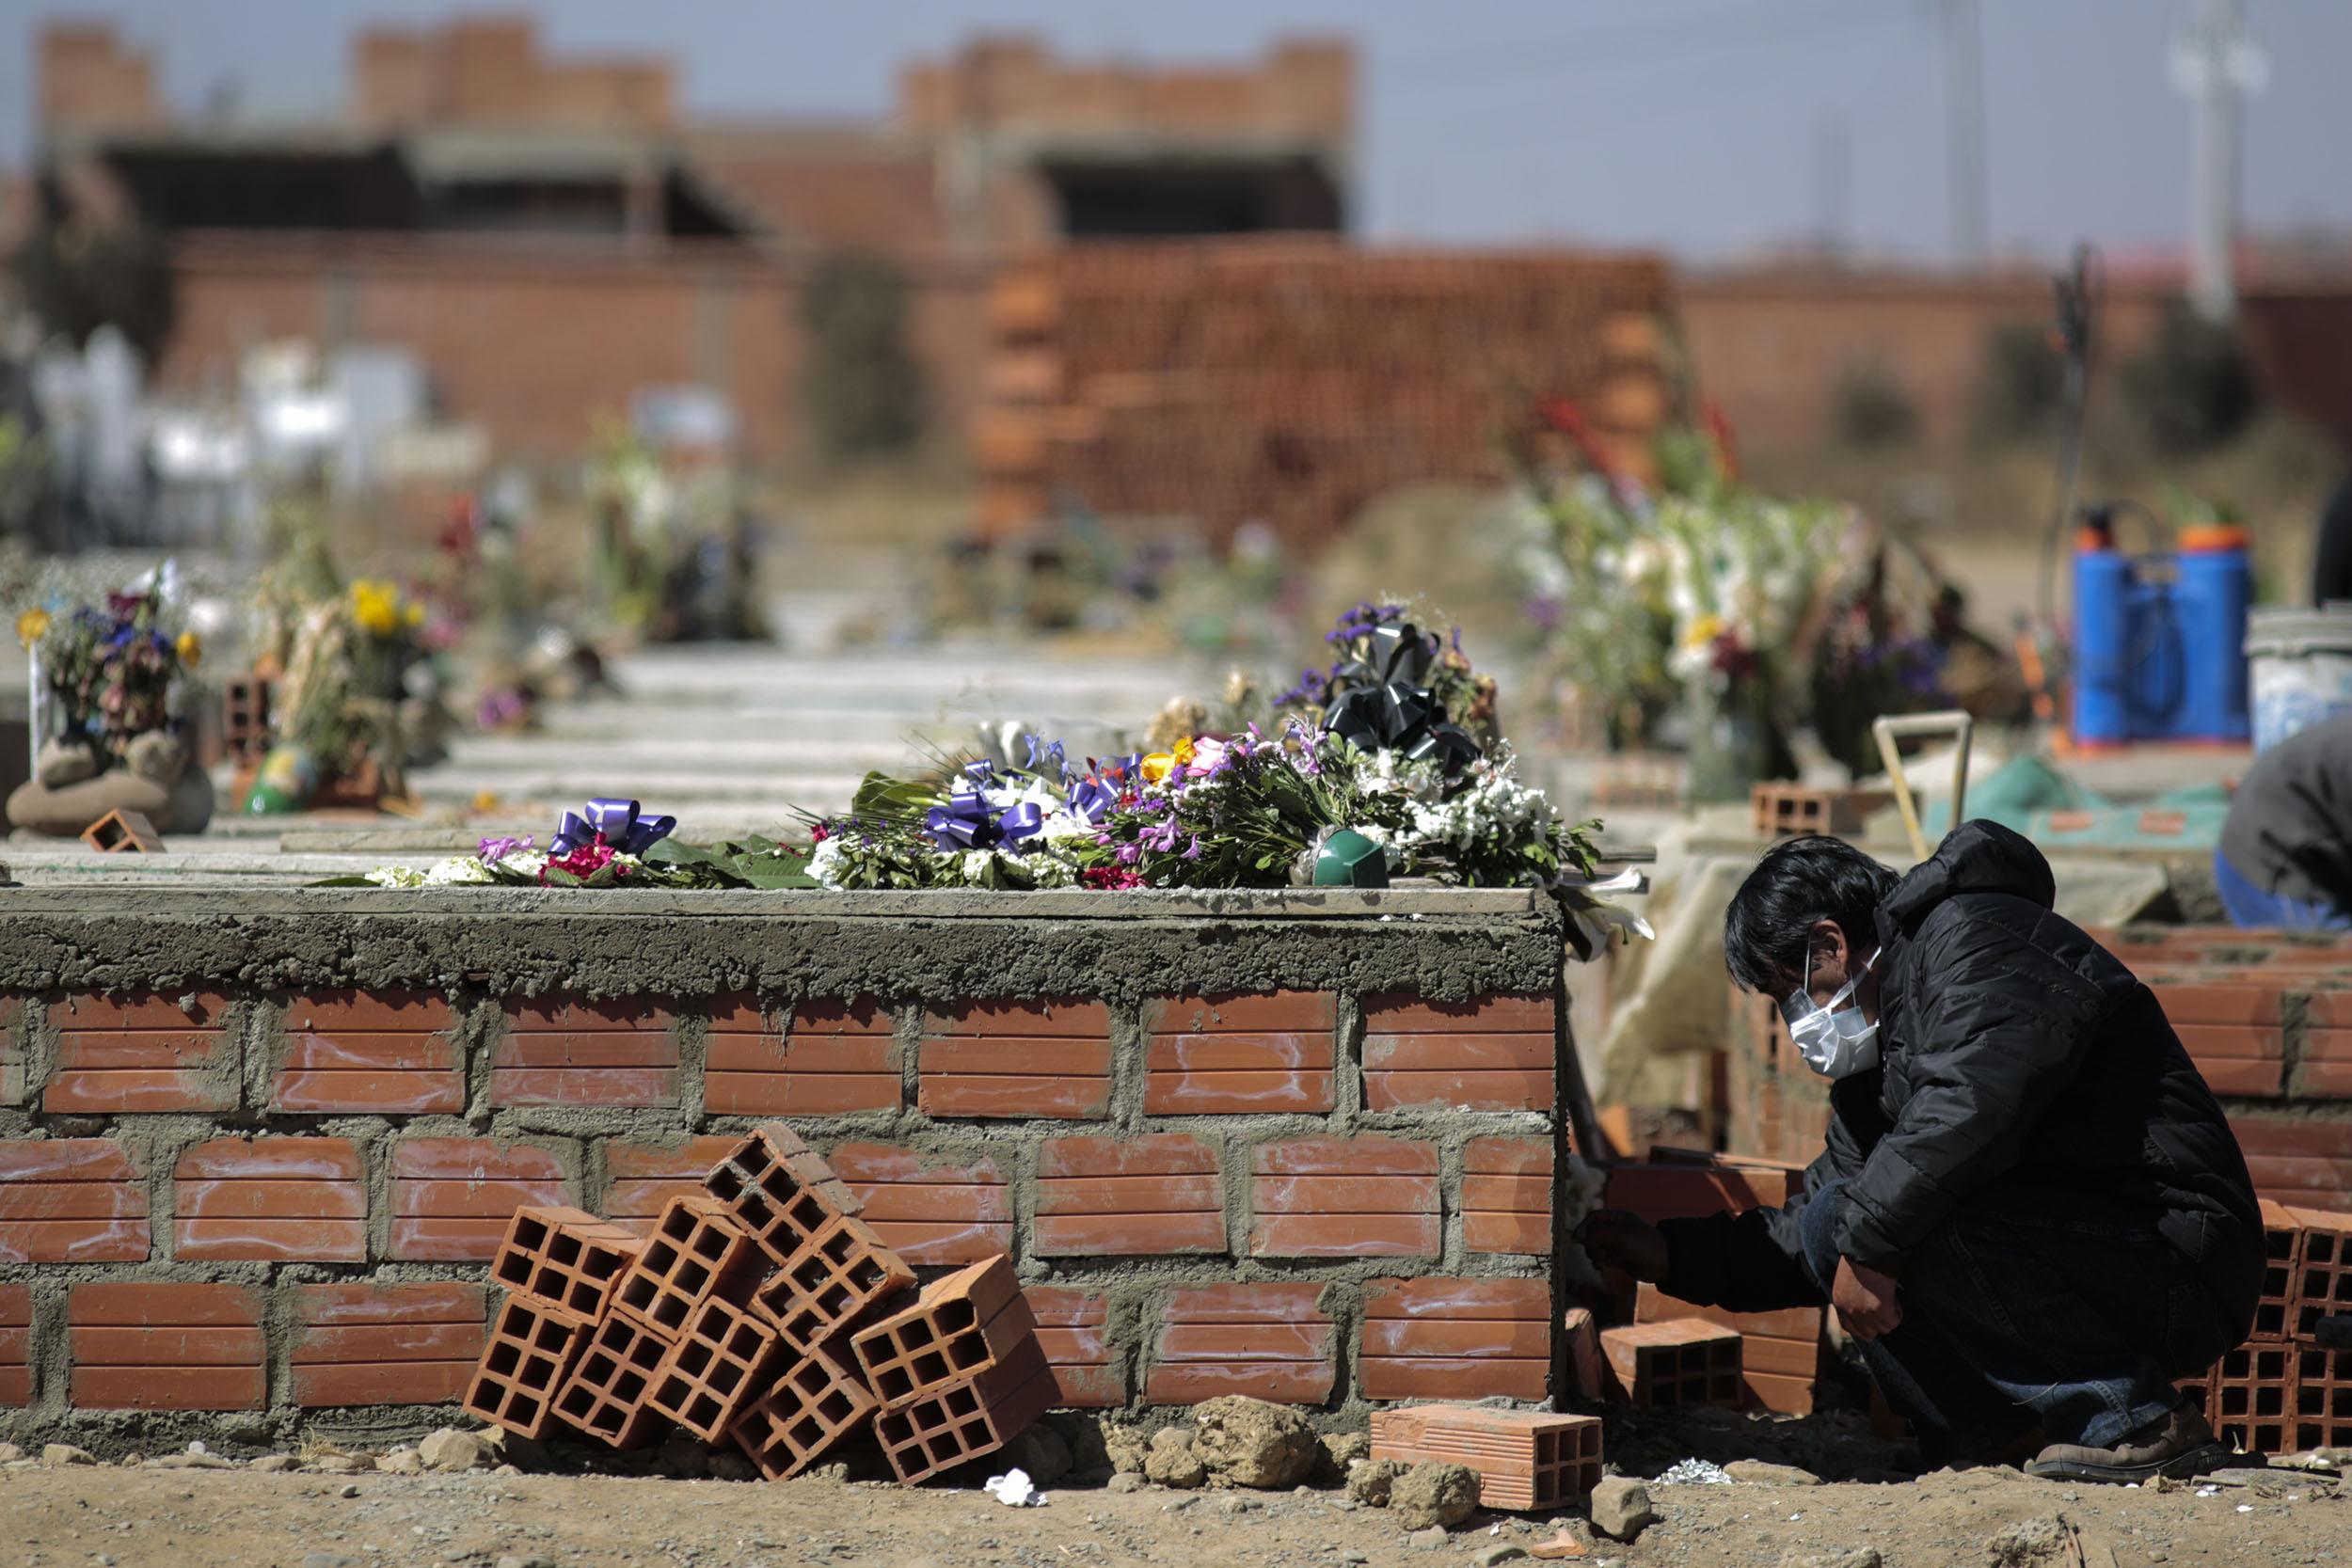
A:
1865, 1300
1621, 1239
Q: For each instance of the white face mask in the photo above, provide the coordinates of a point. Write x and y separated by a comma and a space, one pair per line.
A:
1834, 1041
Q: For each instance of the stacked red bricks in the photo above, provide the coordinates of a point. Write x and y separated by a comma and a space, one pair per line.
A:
2284, 1390
765, 1313
1676, 1353
1290, 383
1330, 1198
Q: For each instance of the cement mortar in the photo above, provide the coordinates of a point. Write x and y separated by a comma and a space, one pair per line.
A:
515, 942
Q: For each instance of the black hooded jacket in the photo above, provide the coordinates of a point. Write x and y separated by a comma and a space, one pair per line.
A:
2011, 1046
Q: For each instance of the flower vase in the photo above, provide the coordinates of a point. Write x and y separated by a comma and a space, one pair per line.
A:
1726, 758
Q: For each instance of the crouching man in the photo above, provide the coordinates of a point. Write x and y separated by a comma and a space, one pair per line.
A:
2030, 1209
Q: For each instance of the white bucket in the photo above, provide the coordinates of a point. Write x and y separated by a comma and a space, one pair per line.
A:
2299, 669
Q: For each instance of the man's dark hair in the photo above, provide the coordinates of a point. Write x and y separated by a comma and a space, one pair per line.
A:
1798, 885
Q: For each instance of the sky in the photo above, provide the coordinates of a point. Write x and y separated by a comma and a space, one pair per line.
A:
1708, 128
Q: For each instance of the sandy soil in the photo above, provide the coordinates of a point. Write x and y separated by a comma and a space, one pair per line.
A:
209, 1519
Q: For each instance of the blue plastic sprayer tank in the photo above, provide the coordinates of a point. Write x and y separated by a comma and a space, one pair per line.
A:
2159, 641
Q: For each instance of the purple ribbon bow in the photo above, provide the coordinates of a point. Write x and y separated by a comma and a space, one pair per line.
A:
616, 822
1091, 799
969, 822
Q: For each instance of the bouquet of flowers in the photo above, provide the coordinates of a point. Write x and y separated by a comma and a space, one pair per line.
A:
614, 844
1701, 596
115, 673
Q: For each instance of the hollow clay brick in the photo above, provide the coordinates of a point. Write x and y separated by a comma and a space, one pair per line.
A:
1455, 1339
820, 1400
569, 1051
778, 1190
129, 1055
454, 1198
1243, 1012
726, 1356
696, 1251
1526, 1461
1006, 1078
1239, 1054
1400, 1013
1666, 1365
1507, 1195
164, 1346
2323, 1398
967, 1419
386, 1343
70, 1200
1072, 1328
642, 1177
958, 1326
1155, 1194
385, 1053
1271, 1341
2323, 1271
564, 1257
16, 1344
2250, 1397
838, 1057
530, 1351
1345, 1197
275, 1200
610, 1383
831, 1283
929, 1210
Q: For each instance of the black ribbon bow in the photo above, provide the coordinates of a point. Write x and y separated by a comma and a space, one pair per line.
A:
1381, 700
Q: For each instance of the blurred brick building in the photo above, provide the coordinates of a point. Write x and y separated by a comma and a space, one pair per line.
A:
553, 235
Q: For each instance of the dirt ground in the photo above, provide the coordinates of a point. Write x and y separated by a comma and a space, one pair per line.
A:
108, 1515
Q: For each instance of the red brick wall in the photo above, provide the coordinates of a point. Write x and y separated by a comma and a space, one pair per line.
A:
533, 342
1390, 1157
1769, 346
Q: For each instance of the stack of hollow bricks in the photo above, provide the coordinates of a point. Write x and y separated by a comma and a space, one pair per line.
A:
766, 1314
286, 1202
1287, 383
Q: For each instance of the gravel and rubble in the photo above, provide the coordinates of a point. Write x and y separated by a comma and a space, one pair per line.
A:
353, 1510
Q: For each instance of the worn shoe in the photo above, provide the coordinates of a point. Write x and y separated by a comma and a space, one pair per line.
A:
2178, 1444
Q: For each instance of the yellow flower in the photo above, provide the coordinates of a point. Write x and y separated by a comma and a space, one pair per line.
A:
1703, 631
376, 605
1159, 765
31, 625
412, 614
191, 649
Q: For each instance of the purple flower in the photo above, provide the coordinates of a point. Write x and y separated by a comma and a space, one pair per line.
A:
496, 849
1194, 854
1130, 853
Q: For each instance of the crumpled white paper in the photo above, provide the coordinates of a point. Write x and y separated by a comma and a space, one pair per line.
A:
1015, 1490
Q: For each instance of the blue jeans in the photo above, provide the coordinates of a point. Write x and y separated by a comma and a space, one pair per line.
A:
2031, 1303
2251, 908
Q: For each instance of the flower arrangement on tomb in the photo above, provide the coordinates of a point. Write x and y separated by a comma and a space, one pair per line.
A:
115, 680
1364, 776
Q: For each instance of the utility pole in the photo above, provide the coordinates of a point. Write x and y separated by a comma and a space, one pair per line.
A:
2216, 62
1963, 129
1833, 186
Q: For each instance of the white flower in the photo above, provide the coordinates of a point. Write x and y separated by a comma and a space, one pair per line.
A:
468, 871
396, 876
824, 863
